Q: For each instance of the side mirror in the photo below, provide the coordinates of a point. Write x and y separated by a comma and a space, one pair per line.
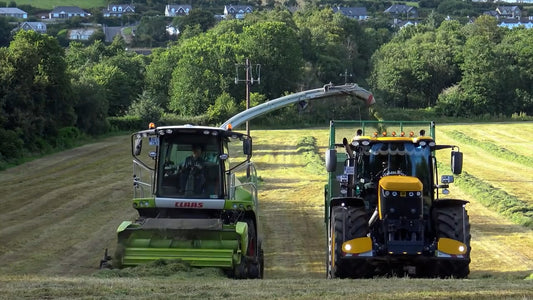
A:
247, 147
138, 147
457, 162
331, 160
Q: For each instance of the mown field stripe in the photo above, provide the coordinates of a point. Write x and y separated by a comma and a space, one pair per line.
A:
492, 148
307, 146
496, 199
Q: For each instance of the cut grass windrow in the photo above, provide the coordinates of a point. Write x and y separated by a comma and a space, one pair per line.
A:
492, 148
313, 162
507, 205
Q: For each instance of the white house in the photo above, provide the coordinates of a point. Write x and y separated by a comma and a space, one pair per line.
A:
67, 12
80, 34
117, 10
39, 27
172, 10
237, 11
358, 13
13, 12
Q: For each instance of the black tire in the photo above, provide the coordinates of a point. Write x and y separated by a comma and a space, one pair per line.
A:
346, 223
453, 222
261, 261
253, 252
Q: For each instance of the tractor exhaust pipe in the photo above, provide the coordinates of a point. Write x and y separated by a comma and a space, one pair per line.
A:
373, 218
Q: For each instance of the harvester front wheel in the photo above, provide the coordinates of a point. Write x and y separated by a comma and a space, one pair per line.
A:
346, 223
453, 222
253, 253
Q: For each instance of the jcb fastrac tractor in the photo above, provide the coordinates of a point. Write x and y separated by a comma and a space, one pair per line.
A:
384, 214
196, 195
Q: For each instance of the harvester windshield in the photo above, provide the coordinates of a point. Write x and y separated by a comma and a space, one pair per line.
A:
189, 167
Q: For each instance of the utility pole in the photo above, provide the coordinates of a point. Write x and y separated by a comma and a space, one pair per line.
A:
346, 75
249, 80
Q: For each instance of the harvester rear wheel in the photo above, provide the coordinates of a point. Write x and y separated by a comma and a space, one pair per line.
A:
346, 223
453, 222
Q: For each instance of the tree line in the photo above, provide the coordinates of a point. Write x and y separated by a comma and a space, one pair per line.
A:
50, 94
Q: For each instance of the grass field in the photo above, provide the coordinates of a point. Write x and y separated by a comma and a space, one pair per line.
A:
60, 212
50, 4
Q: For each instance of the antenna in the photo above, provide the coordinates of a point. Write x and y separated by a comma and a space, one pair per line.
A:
249, 80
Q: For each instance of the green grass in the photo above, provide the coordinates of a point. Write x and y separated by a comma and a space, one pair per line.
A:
492, 148
50, 4
35, 287
307, 146
53, 235
498, 200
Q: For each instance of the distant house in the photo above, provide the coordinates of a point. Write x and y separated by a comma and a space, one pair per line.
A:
172, 10
117, 10
13, 12
172, 30
404, 24
491, 13
67, 12
81, 34
237, 11
526, 22
38, 27
110, 32
401, 10
358, 13
508, 12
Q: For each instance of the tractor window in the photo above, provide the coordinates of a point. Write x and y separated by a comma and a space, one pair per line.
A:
397, 158
189, 167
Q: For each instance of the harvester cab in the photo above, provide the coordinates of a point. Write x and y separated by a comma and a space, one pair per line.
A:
195, 191
383, 205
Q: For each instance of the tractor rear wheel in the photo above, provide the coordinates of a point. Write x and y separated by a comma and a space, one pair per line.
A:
346, 223
453, 222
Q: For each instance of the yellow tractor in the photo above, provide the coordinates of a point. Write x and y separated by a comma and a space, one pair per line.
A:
386, 213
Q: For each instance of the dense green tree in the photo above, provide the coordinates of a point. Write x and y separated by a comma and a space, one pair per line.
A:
151, 31
480, 70
414, 68
322, 35
35, 92
456, 8
516, 54
486, 26
203, 18
146, 108
159, 74
5, 32
205, 69
91, 105
119, 73
223, 108
273, 46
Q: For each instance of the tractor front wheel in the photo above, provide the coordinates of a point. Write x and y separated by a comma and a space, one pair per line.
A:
346, 223
453, 222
